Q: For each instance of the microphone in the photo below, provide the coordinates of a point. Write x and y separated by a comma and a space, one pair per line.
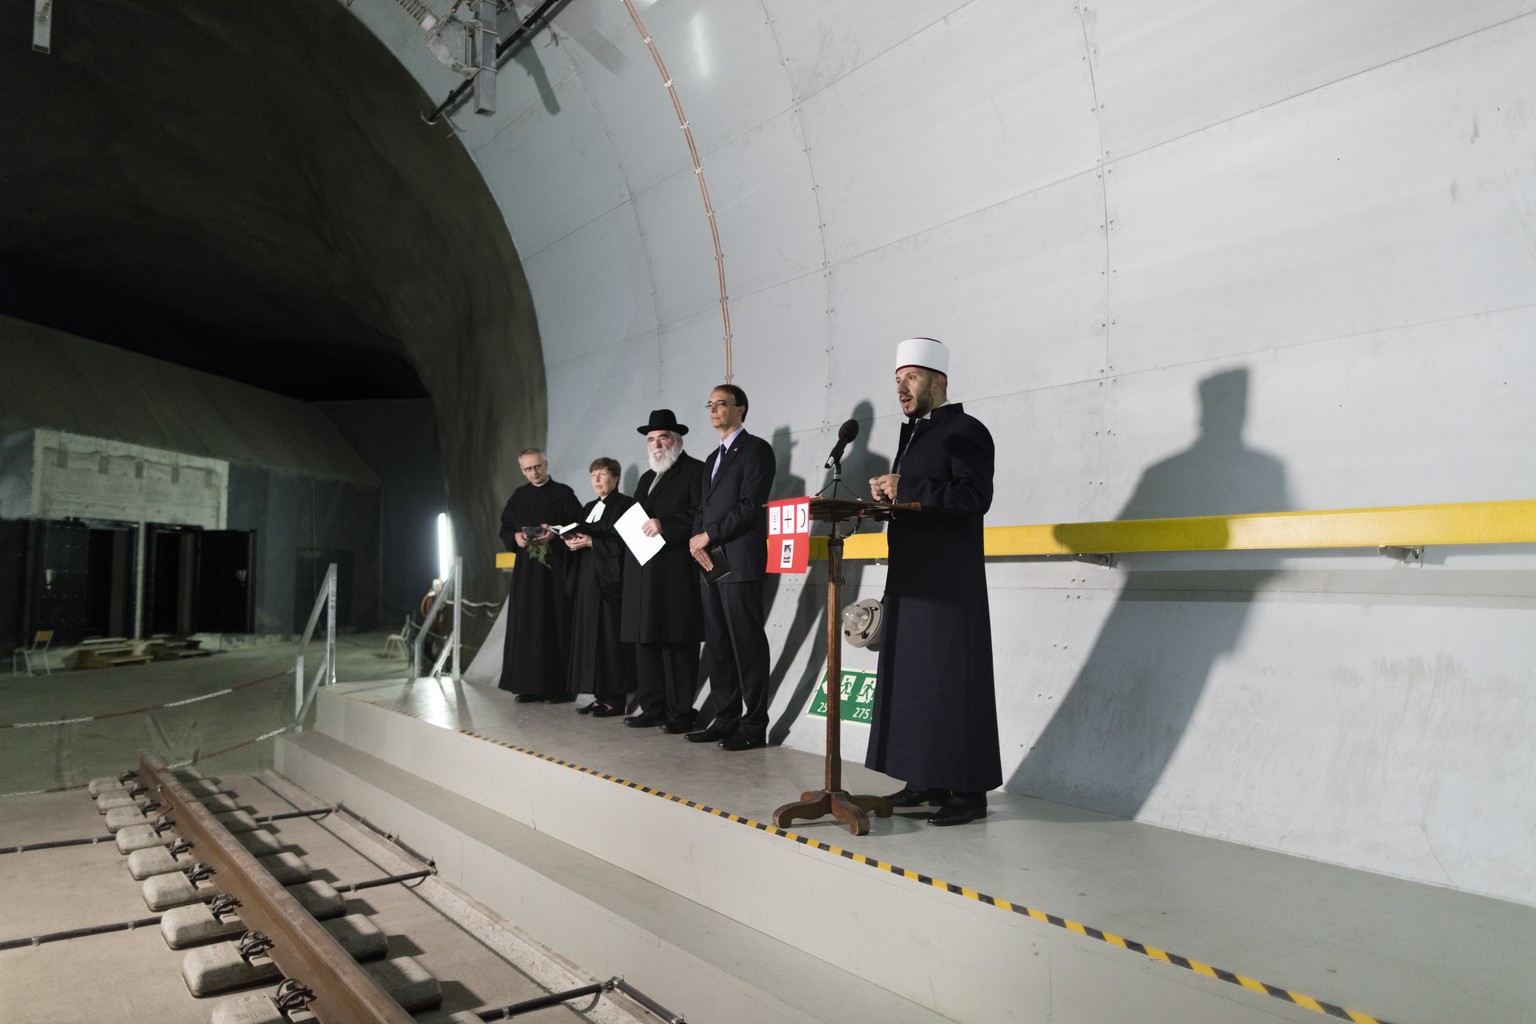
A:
845, 433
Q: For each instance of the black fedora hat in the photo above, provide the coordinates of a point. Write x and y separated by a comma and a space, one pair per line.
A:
663, 419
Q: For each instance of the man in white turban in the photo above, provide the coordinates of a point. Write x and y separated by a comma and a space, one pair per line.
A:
934, 724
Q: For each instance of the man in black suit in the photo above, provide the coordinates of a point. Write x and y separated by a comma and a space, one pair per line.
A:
732, 525
661, 614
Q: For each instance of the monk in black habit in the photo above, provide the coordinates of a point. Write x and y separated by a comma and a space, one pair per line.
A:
601, 664
935, 717
533, 662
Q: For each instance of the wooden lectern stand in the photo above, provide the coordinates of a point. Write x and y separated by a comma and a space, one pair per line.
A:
852, 811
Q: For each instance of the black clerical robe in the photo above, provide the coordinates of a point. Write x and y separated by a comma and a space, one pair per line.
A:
661, 597
935, 717
600, 664
538, 610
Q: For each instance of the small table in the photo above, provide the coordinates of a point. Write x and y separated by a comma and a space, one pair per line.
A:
852, 811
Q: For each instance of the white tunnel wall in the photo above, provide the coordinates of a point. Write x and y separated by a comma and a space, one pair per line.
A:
1325, 211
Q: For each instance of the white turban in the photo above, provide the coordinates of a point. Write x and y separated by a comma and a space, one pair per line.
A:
924, 352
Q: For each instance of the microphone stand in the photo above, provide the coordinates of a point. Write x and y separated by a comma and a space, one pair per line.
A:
852, 811
835, 464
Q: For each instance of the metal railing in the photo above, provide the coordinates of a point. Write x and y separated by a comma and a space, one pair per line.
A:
451, 645
303, 697
1392, 530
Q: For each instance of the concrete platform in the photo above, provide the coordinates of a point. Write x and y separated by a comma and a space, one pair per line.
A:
634, 853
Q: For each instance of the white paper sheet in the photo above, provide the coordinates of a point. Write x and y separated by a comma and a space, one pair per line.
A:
628, 527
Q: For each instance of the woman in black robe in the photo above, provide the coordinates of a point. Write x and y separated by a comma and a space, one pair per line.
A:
600, 664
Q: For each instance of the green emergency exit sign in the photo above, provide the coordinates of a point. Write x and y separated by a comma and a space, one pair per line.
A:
856, 695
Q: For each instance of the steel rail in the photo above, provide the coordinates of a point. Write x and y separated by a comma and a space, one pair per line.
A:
344, 993
54, 844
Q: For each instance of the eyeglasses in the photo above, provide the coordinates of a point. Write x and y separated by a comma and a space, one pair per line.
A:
712, 406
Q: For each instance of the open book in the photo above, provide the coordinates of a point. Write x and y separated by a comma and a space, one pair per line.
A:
592, 517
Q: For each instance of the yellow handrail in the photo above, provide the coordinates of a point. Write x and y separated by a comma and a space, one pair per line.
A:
1480, 522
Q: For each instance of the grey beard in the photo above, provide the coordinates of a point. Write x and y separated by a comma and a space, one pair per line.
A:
664, 460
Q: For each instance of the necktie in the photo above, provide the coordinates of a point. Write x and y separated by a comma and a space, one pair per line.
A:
719, 458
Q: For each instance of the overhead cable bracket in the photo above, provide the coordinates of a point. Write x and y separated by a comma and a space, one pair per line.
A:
1413, 558
42, 26
482, 42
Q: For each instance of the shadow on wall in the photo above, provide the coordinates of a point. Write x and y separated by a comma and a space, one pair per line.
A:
859, 464
1116, 729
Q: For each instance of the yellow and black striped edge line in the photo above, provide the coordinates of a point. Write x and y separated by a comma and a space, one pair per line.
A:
1151, 952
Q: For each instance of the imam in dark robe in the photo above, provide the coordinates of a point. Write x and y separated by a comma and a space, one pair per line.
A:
600, 663
935, 716
538, 612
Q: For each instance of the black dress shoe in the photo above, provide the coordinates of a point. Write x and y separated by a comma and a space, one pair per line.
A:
607, 710
680, 723
741, 741
587, 709
559, 698
714, 734
911, 796
955, 814
529, 698
644, 720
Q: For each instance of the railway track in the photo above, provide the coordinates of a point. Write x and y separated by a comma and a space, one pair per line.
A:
247, 902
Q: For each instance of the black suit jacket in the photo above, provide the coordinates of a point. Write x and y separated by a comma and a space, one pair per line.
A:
731, 510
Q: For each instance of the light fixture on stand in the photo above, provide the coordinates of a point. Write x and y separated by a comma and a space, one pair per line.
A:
862, 621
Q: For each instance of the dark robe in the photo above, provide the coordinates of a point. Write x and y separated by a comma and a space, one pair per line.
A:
935, 717
600, 663
661, 597
538, 611
662, 614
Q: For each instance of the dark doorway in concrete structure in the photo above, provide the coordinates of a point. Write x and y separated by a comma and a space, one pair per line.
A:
109, 589
198, 581
170, 579
224, 581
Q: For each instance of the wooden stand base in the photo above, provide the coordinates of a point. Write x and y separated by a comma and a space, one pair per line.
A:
852, 811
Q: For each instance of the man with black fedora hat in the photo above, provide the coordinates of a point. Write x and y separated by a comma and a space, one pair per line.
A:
662, 616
